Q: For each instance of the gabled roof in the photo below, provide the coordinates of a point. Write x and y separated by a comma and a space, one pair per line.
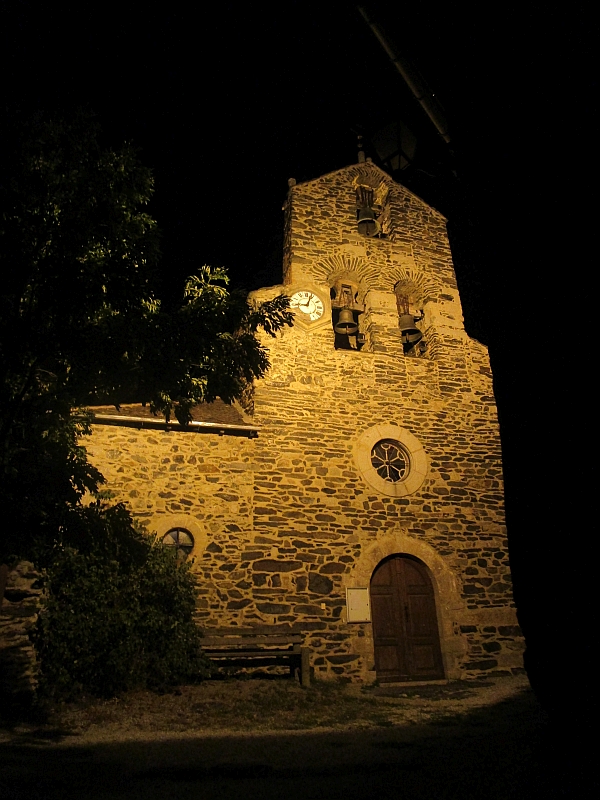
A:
368, 167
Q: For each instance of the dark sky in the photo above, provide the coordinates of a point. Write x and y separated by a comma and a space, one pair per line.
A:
227, 104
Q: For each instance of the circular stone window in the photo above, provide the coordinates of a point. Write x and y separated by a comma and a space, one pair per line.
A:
180, 541
391, 460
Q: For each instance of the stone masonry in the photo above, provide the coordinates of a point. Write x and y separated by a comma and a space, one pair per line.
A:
19, 609
283, 524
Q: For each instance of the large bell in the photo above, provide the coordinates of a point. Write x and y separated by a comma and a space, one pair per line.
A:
346, 323
409, 331
367, 224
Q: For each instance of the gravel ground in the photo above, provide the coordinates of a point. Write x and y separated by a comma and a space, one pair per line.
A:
259, 706
263, 739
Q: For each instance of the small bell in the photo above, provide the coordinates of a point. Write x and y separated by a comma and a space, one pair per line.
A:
409, 332
346, 323
367, 224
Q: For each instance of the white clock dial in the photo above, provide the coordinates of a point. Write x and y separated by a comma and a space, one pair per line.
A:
308, 303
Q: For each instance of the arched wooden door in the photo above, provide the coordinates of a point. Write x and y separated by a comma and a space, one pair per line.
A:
405, 630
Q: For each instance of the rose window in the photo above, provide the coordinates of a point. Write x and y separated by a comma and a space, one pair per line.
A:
390, 460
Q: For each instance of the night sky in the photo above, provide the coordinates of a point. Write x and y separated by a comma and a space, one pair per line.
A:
227, 108
227, 105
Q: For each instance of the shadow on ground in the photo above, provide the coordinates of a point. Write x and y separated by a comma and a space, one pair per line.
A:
498, 753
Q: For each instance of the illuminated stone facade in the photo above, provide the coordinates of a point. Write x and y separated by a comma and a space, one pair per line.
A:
284, 523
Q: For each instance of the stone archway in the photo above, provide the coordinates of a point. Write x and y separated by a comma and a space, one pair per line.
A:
449, 604
406, 639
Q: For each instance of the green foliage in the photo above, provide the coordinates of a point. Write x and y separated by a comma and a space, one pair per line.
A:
44, 475
81, 323
77, 250
205, 348
118, 614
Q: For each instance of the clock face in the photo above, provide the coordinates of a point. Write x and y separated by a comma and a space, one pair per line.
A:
308, 303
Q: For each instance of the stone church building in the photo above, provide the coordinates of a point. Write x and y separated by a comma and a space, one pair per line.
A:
358, 496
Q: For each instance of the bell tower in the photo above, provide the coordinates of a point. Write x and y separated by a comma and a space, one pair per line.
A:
378, 257
378, 411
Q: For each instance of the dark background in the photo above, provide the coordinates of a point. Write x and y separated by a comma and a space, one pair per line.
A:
227, 102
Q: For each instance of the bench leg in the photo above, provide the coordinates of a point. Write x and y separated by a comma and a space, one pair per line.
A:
305, 668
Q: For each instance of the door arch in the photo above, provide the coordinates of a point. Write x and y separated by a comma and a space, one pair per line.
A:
405, 628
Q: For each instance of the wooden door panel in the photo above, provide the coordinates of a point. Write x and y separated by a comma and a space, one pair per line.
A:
387, 664
383, 576
421, 617
383, 607
413, 576
423, 659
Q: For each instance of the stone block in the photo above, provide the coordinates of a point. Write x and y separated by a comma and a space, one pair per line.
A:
319, 584
273, 565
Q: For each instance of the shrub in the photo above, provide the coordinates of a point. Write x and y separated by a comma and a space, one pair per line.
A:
111, 624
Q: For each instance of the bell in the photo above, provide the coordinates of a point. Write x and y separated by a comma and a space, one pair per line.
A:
346, 323
409, 332
367, 224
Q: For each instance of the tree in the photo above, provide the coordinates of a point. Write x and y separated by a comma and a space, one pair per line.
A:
81, 321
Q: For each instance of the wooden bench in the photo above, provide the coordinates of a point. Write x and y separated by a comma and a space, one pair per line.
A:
258, 646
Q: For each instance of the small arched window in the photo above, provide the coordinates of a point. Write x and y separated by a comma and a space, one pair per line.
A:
180, 541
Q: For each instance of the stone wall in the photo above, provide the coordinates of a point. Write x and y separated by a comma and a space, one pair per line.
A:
18, 615
280, 522
314, 405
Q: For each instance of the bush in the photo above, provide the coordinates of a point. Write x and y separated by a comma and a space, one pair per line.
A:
111, 624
